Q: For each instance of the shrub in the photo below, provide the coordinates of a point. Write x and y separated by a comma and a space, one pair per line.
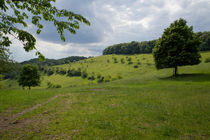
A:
107, 80
207, 60
51, 85
73, 72
129, 59
91, 77
138, 63
135, 66
98, 76
100, 80
122, 60
57, 86
130, 62
84, 74
50, 72
115, 60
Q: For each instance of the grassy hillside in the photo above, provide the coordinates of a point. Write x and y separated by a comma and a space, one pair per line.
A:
142, 104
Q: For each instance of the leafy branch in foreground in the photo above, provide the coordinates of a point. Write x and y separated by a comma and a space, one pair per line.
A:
14, 15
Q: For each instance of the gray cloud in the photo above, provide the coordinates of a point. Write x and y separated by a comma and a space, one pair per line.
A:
120, 21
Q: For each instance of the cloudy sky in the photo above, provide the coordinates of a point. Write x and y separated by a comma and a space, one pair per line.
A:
115, 21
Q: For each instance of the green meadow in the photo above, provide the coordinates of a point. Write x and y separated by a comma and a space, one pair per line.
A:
135, 101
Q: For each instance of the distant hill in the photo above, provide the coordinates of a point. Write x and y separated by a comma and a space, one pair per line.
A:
16, 67
144, 47
53, 62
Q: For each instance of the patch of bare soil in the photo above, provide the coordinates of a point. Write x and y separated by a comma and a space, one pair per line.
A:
8, 122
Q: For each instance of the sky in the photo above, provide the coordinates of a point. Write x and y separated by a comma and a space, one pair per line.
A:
113, 22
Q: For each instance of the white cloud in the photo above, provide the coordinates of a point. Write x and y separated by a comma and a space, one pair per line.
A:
119, 21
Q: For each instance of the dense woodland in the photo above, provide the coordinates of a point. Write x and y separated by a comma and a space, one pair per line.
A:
135, 47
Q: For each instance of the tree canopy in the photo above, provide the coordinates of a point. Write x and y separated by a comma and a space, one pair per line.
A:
14, 16
178, 46
29, 76
133, 47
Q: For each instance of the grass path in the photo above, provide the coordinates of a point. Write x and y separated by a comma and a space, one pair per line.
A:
8, 122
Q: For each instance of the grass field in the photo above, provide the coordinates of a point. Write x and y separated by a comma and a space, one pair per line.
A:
144, 104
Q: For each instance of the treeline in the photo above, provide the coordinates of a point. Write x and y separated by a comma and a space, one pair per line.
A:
135, 47
53, 62
15, 67
205, 38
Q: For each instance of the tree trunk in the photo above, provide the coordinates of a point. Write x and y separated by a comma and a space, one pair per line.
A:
29, 87
175, 70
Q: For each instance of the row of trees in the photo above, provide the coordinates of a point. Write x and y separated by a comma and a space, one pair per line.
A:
135, 47
205, 40
53, 62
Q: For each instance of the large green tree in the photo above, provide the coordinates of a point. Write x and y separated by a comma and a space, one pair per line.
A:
15, 14
178, 46
29, 76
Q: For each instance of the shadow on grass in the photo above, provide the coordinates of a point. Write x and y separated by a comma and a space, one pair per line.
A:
197, 77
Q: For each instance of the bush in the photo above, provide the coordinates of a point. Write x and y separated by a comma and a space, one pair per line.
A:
135, 66
207, 60
122, 60
50, 72
84, 74
130, 62
73, 72
107, 80
100, 80
91, 77
129, 59
115, 60
57, 86
51, 85
98, 76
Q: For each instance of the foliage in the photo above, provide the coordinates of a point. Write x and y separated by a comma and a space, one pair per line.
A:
5, 62
135, 66
53, 62
74, 72
122, 60
205, 38
16, 12
178, 46
51, 85
207, 60
135, 47
13, 72
29, 76
84, 74
130, 48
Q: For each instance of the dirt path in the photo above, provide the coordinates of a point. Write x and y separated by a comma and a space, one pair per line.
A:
11, 121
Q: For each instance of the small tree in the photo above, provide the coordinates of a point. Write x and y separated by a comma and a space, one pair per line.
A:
178, 46
29, 76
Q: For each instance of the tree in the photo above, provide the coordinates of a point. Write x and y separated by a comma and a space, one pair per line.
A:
29, 76
178, 46
14, 15
5, 62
